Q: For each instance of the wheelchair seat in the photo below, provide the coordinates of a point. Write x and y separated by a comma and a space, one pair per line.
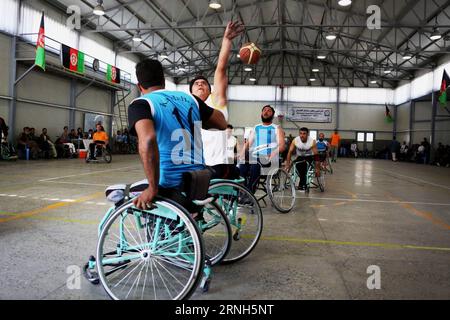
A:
117, 193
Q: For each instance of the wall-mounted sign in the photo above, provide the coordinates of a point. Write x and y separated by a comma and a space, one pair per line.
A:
321, 115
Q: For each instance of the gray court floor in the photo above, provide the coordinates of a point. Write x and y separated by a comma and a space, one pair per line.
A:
395, 216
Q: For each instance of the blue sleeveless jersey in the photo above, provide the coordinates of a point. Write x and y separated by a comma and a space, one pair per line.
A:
176, 117
265, 135
321, 146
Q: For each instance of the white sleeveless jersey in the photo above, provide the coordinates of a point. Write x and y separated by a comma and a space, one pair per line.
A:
215, 141
304, 149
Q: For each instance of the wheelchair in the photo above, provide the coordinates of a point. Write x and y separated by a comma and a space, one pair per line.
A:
163, 253
102, 153
325, 162
275, 184
311, 180
6, 152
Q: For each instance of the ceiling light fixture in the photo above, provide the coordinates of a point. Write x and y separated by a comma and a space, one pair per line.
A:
99, 10
344, 3
248, 69
435, 35
137, 37
213, 4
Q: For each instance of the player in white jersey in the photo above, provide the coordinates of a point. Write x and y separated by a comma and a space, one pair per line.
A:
215, 142
305, 148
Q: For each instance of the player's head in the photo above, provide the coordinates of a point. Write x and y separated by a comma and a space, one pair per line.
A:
267, 114
200, 87
304, 132
321, 136
229, 129
150, 73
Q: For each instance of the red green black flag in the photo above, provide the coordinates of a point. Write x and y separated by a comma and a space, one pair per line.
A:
72, 59
40, 46
113, 74
389, 118
444, 85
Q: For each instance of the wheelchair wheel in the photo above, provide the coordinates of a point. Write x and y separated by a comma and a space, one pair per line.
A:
216, 232
107, 156
281, 190
244, 215
321, 181
156, 254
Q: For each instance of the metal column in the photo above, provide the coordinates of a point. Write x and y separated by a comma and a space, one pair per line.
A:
394, 129
412, 111
111, 111
433, 124
72, 104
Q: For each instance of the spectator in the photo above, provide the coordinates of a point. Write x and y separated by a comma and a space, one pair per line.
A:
118, 142
66, 140
90, 134
47, 145
394, 148
232, 146
72, 135
440, 153
403, 151
427, 150
354, 149
100, 138
420, 156
24, 143
335, 141
80, 133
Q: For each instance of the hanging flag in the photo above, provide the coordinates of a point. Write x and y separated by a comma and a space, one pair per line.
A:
444, 85
72, 59
40, 46
113, 74
388, 116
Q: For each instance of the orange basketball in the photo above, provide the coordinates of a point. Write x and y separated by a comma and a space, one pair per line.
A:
249, 53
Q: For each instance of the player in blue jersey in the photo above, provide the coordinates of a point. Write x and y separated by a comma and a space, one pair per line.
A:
168, 125
322, 147
265, 143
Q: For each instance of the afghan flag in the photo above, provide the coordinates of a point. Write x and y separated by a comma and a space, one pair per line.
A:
72, 59
113, 74
444, 85
40, 46
388, 116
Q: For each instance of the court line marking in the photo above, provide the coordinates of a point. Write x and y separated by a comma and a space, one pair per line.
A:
376, 201
88, 173
275, 238
78, 183
424, 181
358, 244
57, 205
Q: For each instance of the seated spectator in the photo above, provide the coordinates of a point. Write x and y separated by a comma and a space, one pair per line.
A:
72, 135
118, 142
100, 138
80, 133
420, 155
403, 151
90, 134
47, 145
24, 143
66, 140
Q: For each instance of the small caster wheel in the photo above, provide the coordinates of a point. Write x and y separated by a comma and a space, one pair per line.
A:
236, 236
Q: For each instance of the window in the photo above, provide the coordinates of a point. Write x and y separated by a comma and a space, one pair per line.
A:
361, 136
313, 134
365, 136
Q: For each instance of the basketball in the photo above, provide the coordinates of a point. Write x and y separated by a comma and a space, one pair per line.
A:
249, 53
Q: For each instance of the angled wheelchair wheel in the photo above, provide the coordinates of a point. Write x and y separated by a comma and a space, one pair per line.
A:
156, 254
244, 215
281, 190
216, 232
107, 156
321, 181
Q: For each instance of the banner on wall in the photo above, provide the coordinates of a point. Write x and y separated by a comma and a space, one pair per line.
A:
320, 115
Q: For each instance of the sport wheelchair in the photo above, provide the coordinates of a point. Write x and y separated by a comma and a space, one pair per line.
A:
163, 253
102, 153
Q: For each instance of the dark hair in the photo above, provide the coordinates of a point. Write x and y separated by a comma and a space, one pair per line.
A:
304, 129
66, 127
229, 126
268, 106
150, 73
199, 77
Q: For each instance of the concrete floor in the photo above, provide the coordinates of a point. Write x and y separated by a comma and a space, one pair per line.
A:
392, 215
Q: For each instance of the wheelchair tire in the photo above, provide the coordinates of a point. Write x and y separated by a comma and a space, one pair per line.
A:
216, 232
281, 190
107, 156
163, 241
244, 215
